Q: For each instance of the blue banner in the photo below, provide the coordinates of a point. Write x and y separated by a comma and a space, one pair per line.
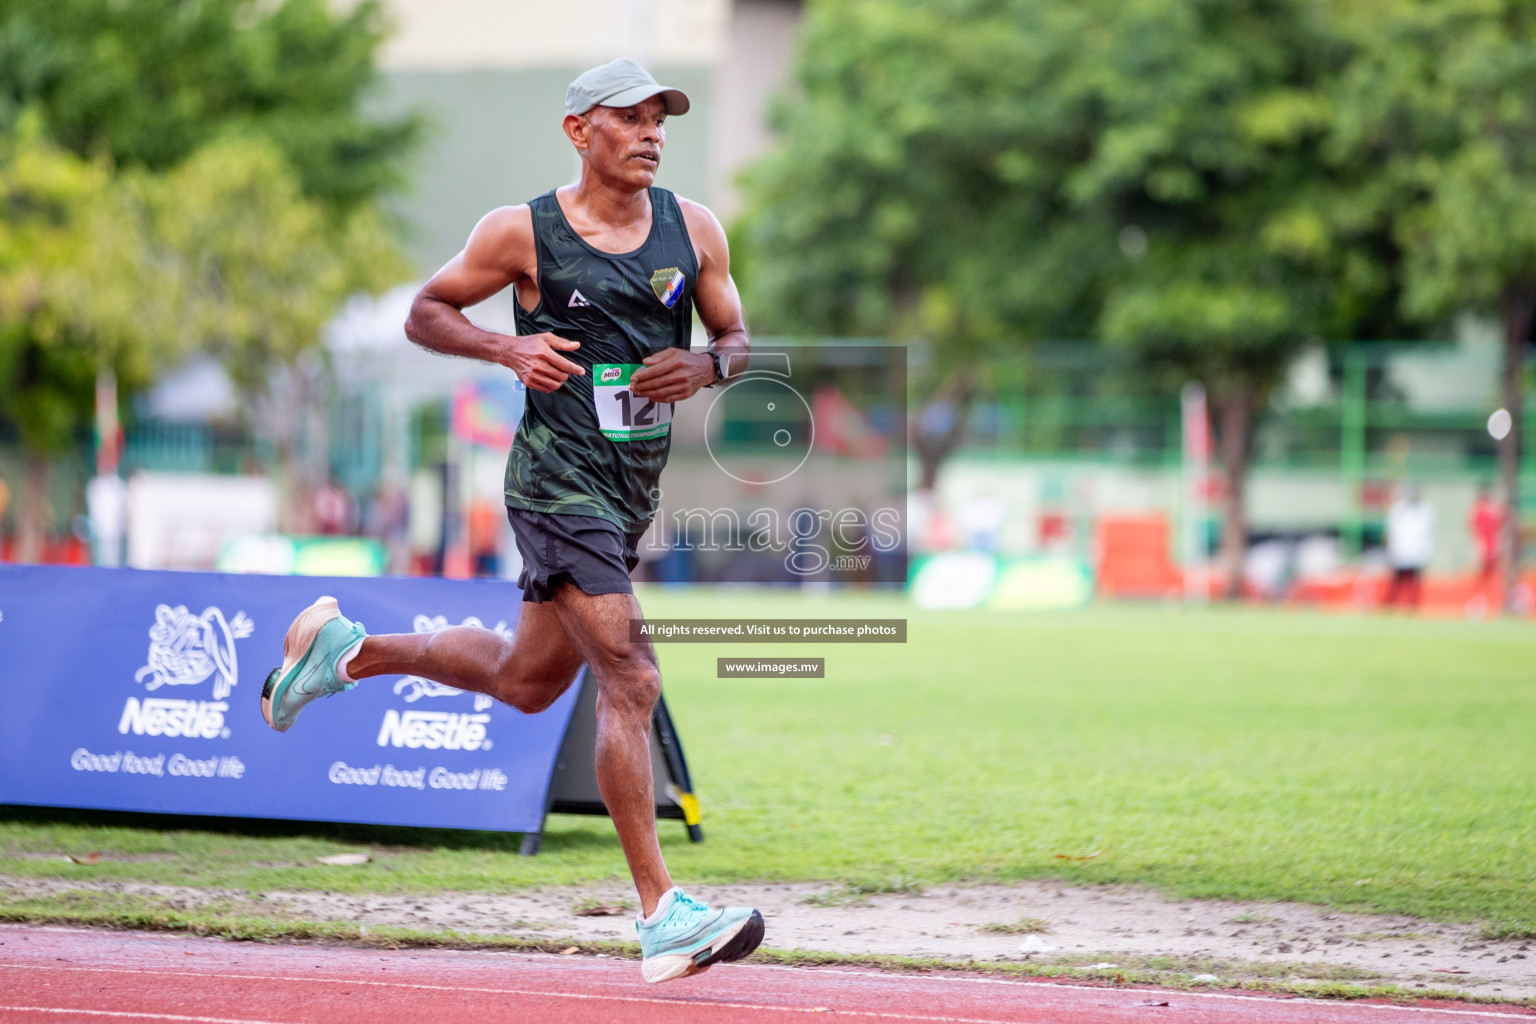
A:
141, 691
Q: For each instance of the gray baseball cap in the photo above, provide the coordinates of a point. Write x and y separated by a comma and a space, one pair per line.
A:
620, 83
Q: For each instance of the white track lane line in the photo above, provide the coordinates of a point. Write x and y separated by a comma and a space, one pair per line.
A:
705, 1004
150, 1016
1014, 982
418, 987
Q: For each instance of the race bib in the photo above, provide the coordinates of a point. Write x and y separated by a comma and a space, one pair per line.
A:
621, 415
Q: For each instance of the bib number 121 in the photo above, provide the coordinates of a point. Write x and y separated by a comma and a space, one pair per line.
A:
621, 414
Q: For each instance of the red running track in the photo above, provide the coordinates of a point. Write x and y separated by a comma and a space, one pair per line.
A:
73, 975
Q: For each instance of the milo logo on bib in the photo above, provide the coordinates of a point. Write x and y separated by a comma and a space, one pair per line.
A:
621, 414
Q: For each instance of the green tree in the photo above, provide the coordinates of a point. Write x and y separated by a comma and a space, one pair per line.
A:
1441, 101
148, 82
77, 296
178, 107
259, 267
1247, 231
1156, 173
914, 193
223, 254
258, 270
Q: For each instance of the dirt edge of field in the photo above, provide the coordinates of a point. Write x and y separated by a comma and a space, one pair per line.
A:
1105, 931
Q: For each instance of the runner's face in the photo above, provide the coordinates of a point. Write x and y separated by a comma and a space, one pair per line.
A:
624, 143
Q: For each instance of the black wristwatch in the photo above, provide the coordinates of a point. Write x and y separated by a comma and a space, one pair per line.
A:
720, 374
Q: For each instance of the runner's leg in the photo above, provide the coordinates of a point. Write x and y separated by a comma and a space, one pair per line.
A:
528, 672
628, 682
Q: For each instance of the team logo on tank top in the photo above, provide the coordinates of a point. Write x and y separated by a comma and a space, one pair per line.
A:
668, 285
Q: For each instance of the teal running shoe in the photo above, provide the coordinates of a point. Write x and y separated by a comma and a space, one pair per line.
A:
690, 937
315, 642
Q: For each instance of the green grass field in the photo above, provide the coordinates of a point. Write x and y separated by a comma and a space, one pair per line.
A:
1364, 763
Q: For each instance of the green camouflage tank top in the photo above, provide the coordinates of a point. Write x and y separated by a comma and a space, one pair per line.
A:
591, 447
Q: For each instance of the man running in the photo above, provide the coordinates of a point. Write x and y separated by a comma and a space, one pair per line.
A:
607, 273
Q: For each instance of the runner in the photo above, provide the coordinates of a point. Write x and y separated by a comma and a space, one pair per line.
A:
607, 273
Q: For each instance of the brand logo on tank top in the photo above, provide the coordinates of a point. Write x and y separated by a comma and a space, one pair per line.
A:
578, 300
668, 285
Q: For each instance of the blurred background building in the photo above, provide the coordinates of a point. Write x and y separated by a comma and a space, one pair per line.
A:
491, 78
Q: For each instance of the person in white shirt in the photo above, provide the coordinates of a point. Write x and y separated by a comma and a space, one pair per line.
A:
1410, 544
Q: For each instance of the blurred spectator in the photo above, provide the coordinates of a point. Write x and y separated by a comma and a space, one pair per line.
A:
927, 524
388, 521
1410, 544
485, 525
1318, 556
333, 510
1269, 567
981, 520
1486, 521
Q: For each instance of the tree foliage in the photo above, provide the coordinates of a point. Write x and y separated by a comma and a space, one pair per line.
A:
978, 163
257, 268
131, 273
910, 174
180, 175
1159, 174
148, 82
917, 192
1440, 102
76, 298
77, 293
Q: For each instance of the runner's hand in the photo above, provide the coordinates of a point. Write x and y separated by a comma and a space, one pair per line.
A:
537, 361
672, 375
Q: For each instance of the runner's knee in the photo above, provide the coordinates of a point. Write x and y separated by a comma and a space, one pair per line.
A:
633, 686
530, 700
528, 692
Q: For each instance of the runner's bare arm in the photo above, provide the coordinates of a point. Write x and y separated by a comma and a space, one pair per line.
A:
676, 374
500, 252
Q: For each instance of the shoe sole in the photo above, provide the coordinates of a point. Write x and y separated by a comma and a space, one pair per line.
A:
748, 937
732, 945
296, 644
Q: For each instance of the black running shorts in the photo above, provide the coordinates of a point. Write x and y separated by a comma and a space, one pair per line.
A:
592, 553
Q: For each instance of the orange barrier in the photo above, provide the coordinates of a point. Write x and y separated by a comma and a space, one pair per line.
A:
1133, 558
56, 551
